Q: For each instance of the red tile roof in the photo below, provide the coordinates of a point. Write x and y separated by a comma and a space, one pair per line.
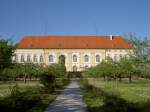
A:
73, 42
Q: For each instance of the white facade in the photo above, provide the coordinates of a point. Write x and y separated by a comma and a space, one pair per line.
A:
75, 59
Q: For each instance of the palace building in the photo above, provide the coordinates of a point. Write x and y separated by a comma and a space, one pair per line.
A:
80, 51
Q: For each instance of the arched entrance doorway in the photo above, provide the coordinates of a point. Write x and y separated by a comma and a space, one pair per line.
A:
74, 68
62, 59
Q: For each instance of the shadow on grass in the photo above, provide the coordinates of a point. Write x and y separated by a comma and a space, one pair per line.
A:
99, 100
27, 101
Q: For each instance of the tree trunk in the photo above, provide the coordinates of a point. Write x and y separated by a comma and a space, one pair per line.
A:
25, 79
114, 77
130, 78
108, 78
146, 78
30, 78
104, 78
120, 78
14, 78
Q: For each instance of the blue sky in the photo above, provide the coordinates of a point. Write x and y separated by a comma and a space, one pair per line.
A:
74, 17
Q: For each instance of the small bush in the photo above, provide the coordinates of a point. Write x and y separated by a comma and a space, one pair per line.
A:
54, 77
62, 82
48, 81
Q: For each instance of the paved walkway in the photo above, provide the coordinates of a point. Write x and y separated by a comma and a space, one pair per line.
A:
69, 101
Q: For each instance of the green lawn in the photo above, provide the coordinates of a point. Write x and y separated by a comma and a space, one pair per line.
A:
138, 91
30, 86
114, 96
5, 87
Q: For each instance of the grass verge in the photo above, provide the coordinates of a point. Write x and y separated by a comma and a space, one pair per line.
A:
102, 99
20, 97
30, 97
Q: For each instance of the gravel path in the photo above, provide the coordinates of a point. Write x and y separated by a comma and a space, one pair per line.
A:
70, 100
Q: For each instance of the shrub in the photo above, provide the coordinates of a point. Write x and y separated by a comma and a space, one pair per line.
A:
54, 76
19, 101
48, 78
62, 82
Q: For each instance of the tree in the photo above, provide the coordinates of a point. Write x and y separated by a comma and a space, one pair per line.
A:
34, 70
91, 72
128, 67
11, 73
142, 47
48, 78
6, 53
118, 71
59, 69
27, 70
144, 70
104, 69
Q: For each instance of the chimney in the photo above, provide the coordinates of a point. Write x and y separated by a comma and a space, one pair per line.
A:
111, 37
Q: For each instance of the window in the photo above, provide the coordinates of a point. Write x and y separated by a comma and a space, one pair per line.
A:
115, 57
15, 57
86, 58
51, 58
28, 58
121, 55
74, 58
86, 66
22, 58
97, 58
35, 58
41, 58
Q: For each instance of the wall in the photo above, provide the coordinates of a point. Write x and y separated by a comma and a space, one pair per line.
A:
80, 55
